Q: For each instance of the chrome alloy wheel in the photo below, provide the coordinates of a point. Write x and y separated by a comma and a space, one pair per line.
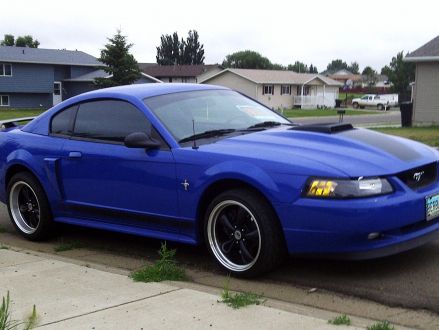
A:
24, 206
234, 235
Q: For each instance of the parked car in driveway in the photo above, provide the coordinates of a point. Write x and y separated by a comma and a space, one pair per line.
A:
200, 163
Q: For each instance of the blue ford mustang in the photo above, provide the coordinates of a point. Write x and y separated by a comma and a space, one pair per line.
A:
194, 163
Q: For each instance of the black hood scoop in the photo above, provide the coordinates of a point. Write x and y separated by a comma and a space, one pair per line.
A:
328, 128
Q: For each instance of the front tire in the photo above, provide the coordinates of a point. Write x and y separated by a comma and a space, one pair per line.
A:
28, 207
380, 107
243, 233
355, 105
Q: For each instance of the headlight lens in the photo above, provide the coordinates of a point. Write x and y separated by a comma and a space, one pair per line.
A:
340, 188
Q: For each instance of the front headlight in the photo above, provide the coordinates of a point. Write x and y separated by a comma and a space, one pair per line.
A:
341, 188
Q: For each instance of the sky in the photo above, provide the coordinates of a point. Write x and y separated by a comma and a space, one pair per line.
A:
318, 31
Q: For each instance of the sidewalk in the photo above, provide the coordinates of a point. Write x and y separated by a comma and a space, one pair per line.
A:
69, 296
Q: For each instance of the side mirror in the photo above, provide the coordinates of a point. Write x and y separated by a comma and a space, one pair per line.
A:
141, 140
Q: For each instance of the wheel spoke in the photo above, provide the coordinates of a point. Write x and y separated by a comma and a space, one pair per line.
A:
245, 252
33, 220
241, 216
252, 234
227, 246
23, 208
227, 226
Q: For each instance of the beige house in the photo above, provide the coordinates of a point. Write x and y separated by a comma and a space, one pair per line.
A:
425, 91
279, 89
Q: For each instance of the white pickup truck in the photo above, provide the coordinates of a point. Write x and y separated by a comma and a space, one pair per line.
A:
381, 102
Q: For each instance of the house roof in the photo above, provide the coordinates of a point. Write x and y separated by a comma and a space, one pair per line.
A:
277, 77
158, 71
427, 52
46, 56
102, 74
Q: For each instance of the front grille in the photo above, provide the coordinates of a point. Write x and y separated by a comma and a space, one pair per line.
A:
419, 177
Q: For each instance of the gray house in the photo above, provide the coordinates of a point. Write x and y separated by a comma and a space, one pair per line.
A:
41, 78
425, 90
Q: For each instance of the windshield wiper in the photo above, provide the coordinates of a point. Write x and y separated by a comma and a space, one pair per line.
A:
208, 134
267, 124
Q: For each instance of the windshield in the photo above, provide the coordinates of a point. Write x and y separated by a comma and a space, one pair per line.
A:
187, 113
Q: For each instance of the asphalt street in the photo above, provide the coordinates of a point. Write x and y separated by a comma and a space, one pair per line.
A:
407, 280
392, 117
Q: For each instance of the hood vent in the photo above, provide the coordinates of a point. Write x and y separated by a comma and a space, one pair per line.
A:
328, 128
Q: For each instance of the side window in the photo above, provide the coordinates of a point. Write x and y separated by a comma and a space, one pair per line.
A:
62, 122
109, 120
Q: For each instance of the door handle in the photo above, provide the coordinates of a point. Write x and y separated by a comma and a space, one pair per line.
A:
75, 154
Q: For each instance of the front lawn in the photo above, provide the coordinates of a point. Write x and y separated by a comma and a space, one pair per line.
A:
9, 113
428, 135
295, 113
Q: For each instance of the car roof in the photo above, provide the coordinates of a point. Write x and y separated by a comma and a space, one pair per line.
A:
142, 91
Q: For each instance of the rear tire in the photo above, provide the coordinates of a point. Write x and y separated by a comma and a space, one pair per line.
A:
28, 207
243, 233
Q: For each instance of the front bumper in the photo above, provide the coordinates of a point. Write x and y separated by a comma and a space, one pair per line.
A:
342, 228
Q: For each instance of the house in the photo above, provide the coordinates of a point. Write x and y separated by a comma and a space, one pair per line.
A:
425, 90
279, 89
180, 73
41, 78
343, 76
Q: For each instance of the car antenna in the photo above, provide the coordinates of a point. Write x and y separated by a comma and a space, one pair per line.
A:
194, 145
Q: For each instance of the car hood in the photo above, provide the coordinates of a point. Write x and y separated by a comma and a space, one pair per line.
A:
354, 152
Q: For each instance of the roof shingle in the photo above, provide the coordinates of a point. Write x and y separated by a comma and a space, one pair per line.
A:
428, 51
279, 77
46, 56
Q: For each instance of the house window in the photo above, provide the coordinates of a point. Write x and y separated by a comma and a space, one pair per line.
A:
268, 89
285, 89
5, 69
4, 100
305, 90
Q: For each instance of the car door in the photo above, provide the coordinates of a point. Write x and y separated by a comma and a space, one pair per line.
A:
105, 180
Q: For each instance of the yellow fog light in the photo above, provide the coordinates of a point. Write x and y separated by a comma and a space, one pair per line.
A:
321, 188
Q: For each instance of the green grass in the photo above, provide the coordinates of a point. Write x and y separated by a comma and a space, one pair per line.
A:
3, 247
2, 230
383, 325
6, 321
8, 113
340, 320
67, 246
164, 269
241, 299
428, 135
295, 113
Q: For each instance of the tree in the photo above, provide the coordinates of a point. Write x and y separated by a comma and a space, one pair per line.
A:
313, 69
400, 74
277, 66
247, 59
120, 64
168, 53
9, 40
23, 41
386, 70
173, 51
336, 65
354, 68
370, 76
192, 50
298, 67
